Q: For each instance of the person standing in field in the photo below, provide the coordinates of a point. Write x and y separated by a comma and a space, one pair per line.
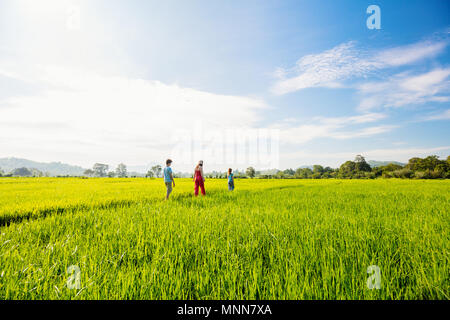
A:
230, 179
199, 178
168, 178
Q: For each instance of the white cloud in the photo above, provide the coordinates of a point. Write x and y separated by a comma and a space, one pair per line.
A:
405, 89
346, 61
439, 116
82, 117
366, 132
331, 127
408, 54
403, 154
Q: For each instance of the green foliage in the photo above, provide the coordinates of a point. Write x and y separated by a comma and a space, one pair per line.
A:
428, 168
289, 172
156, 170
89, 172
303, 173
121, 171
250, 172
111, 174
347, 169
361, 165
100, 170
22, 172
318, 169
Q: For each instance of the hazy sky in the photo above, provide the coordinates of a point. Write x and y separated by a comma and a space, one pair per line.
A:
135, 81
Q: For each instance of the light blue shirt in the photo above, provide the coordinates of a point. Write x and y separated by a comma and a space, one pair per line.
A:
167, 172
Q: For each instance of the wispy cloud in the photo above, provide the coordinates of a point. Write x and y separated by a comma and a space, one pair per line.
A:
439, 116
347, 61
366, 132
406, 89
341, 128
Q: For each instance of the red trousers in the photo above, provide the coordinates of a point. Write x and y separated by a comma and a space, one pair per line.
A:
199, 183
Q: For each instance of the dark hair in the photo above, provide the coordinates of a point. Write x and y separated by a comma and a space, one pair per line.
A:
229, 170
168, 161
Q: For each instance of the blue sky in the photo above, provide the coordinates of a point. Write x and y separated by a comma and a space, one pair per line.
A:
127, 81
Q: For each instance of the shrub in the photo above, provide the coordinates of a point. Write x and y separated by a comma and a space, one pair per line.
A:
404, 173
422, 175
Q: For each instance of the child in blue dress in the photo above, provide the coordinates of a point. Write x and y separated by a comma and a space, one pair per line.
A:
230, 180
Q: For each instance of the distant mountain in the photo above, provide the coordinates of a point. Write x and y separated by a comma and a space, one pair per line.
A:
374, 163
53, 168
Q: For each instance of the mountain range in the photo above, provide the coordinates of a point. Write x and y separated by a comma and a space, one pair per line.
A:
52, 168
374, 163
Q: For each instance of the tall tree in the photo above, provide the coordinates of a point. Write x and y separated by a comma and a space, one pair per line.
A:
347, 169
303, 173
100, 169
361, 164
289, 172
157, 170
250, 172
318, 169
149, 174
121, 170
36, 173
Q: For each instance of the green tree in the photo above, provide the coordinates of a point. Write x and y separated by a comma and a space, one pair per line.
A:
303, 173
89, 172
347, 169
419, 164
429, 168
361, 164
289, 172
250, 172
280, 175
22, 172
36, 173
100, 169
121, 170
318, 169
317, 175
149, 174
156, 170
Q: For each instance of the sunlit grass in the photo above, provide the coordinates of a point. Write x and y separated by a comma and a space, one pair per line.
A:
270, 239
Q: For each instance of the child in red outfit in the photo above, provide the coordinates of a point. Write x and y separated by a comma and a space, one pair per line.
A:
199, 178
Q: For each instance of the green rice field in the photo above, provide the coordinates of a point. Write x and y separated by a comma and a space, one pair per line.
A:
111, 238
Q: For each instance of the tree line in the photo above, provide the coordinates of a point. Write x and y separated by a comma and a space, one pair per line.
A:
416, 168
430, 167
